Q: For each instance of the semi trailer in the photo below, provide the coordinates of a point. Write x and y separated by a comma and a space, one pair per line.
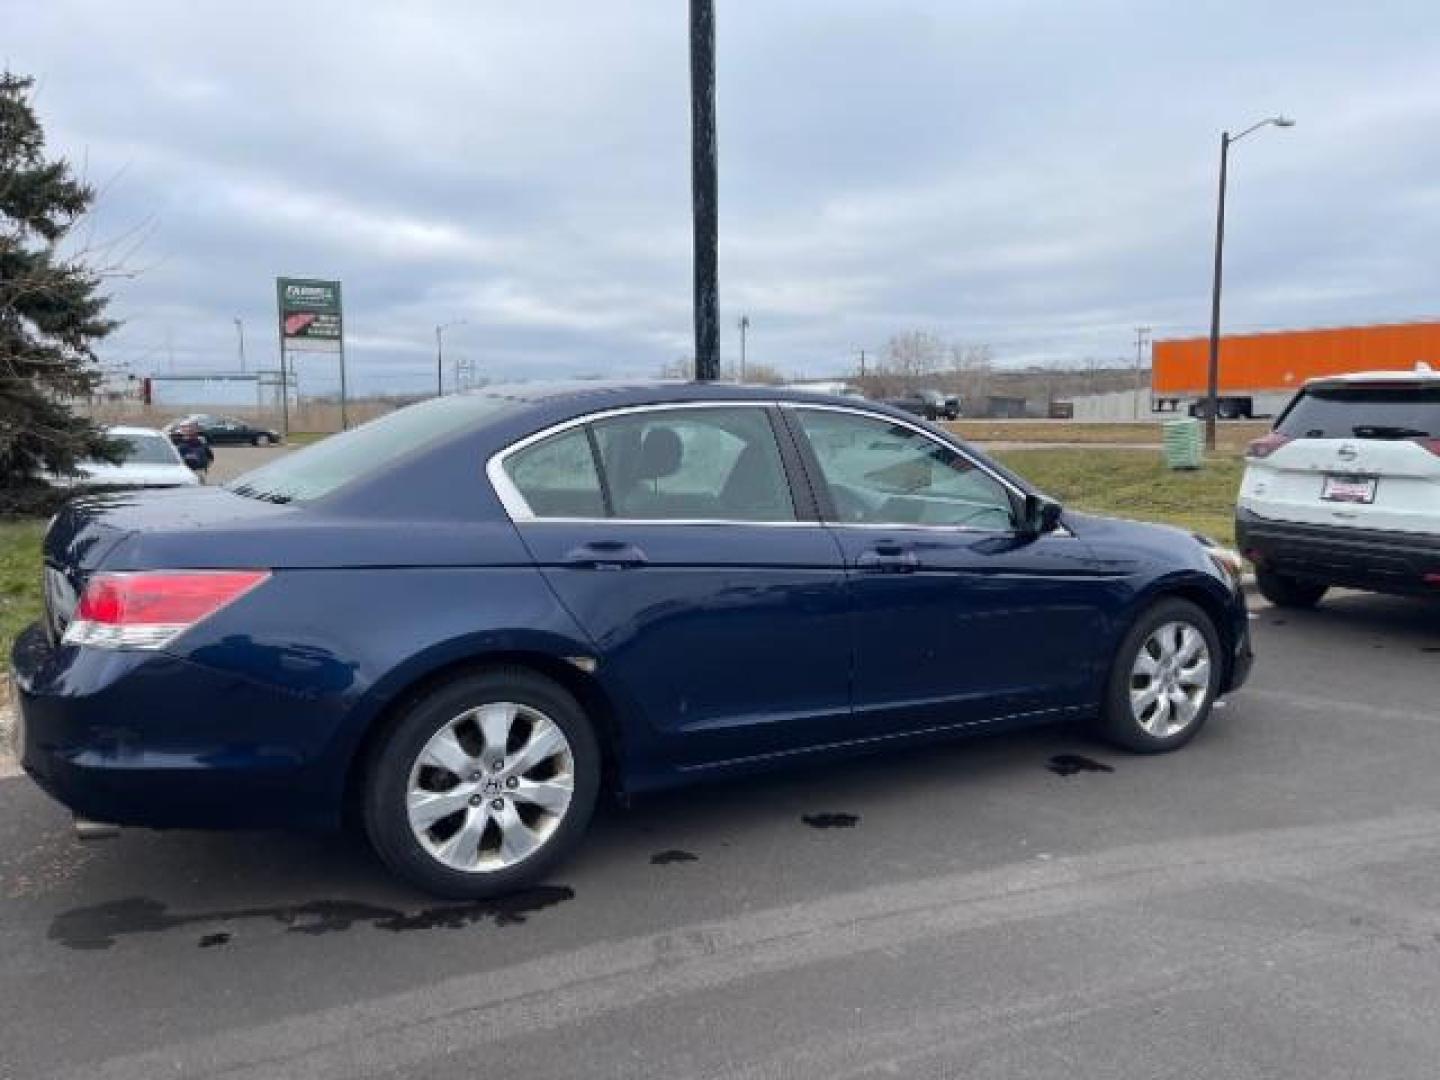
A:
1259, 373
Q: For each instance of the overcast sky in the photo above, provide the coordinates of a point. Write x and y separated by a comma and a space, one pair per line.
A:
1037, 176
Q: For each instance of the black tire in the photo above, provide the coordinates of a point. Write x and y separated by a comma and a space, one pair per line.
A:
261, 440
387, 778
1117, 722
1284, 591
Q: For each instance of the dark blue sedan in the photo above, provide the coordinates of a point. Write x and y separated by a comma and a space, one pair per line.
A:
459, 623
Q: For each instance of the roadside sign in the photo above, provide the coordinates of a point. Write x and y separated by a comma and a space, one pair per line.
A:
310, 319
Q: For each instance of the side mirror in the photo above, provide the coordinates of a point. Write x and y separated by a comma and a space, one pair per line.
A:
1041, 515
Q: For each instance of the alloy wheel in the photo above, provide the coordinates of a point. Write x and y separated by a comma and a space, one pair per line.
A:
1170, 679
490, 787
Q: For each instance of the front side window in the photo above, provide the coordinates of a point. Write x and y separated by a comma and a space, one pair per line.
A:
882, 473
711, 464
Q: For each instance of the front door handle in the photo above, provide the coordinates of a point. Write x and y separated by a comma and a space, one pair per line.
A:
888, 558
605, 555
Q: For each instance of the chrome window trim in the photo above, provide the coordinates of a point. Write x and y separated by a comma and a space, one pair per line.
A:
519, 510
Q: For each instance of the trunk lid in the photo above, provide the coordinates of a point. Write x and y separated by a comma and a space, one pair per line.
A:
92, 532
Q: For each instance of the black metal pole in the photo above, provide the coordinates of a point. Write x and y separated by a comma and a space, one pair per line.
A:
704, 189
1212, 396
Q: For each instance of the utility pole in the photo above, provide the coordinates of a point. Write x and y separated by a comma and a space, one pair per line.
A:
1141, 333
439, 361
744, 331
440, 329
862, 363
240, 330
703, 189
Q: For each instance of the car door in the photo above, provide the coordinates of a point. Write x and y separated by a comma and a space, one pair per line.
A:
958, 616
715, 599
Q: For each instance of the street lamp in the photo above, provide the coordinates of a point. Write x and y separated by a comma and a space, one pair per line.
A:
1212, 397
440, 329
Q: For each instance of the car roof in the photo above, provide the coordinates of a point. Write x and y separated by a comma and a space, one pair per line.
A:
122, 429
1420, 375
644, 391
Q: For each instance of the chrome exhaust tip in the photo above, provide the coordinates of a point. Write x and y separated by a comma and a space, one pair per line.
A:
85, 829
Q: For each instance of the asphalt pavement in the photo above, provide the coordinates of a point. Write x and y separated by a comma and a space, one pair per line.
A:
231, 461
1264, 903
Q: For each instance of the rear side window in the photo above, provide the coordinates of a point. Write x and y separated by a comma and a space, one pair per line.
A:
713, 464
1365, 412
557, 477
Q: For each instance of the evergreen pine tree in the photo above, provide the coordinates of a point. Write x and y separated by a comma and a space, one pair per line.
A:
51, 310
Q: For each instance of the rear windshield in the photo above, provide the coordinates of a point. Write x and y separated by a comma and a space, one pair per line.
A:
324, 467
146, 450
1366, 412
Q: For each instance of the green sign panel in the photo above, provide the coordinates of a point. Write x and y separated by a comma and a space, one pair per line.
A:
309, 314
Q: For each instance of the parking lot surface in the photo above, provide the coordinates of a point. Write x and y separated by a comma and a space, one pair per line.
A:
231, 461
1265, 903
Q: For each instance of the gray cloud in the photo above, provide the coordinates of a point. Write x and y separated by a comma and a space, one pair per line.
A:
1038, 176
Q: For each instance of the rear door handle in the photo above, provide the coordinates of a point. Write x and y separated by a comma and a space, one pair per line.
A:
888, 559
605, 555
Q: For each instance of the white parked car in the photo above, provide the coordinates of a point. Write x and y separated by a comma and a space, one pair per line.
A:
1346, 489
152, 462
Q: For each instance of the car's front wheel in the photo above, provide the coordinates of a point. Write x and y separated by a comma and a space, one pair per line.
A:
262, 440
1283, 591
1164, 680
483, 784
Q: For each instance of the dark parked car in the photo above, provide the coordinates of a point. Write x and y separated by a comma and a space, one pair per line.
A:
463, 620
228, 431
931, 404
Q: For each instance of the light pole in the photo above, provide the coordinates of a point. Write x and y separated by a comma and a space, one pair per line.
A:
240, 330
1212, 397
440, 329
744, 331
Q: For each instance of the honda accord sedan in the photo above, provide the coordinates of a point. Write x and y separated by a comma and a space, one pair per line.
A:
459, 624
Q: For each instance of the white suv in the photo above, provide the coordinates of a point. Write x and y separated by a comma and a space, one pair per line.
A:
1346, 489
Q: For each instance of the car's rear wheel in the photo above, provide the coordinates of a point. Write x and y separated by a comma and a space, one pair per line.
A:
1164, 680
483, 784
1284, 591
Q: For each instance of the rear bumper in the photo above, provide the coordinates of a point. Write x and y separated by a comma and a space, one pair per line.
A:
141, 738
1357, 558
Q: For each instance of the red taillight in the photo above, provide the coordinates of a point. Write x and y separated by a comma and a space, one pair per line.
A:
1266, 445
1432, 444
149, 609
